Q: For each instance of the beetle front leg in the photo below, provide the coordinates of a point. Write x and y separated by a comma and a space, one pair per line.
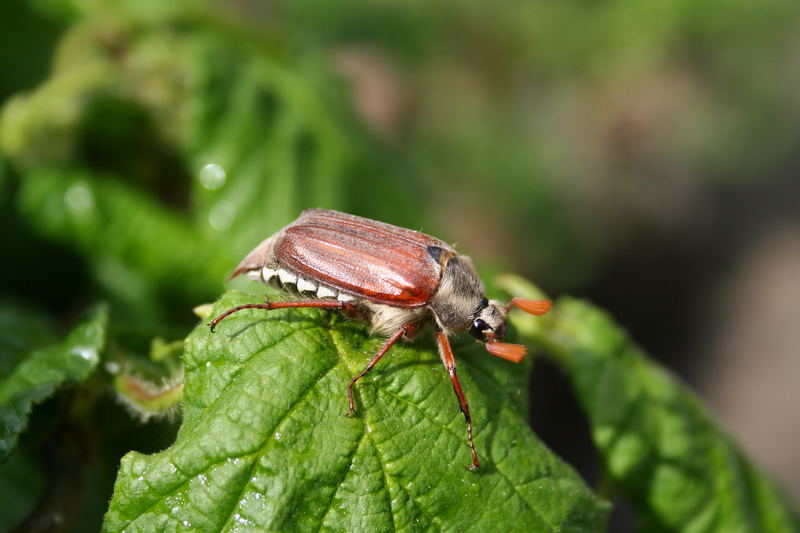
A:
449, 361
377, 357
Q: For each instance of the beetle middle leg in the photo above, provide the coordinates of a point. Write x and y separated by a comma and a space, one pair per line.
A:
269, 306
404, 330
450, 364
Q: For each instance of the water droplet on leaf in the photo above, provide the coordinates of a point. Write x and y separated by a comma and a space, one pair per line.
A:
212, 176
222, 215
79, 198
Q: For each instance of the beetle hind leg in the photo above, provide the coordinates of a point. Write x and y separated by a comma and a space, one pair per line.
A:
269, 306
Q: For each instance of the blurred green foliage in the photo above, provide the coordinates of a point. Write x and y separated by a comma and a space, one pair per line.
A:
658, 444
38, 373
145, 146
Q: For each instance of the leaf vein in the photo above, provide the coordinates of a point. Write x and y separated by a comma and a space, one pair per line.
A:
268, 442
256, 451
450, 431
344, 476
387, 475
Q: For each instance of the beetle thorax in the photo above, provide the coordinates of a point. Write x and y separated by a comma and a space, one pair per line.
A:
460, 294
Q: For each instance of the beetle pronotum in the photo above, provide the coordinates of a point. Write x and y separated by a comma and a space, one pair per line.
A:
397, 279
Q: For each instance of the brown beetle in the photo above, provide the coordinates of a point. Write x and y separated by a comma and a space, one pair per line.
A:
397, 279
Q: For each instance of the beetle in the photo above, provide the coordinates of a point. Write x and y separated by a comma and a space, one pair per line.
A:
396, 279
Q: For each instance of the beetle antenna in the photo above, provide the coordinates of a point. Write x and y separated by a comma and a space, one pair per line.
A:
510, 352
516, 352
533, 307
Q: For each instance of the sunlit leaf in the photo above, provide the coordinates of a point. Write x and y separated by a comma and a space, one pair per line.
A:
265, 443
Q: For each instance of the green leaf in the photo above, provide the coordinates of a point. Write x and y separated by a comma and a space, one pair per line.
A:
21, 331
135, 245
38, 375
659, 445
265, 444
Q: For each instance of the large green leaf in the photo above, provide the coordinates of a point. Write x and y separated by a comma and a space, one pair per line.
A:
659, 445
38, 375
265, 443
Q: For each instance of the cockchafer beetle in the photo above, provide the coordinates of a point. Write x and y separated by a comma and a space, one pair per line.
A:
395, 278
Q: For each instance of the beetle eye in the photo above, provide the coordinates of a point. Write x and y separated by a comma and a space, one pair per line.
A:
478, 327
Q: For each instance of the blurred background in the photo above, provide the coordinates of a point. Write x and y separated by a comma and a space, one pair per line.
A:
643, 155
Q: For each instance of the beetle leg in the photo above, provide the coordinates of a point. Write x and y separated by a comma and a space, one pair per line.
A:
450, 364
269, 306
407, 328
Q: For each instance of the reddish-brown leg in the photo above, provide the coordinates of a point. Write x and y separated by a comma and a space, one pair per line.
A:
389, 343
269, 306
450, 364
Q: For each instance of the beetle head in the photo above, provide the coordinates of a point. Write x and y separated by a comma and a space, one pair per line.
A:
489, 325
489, 320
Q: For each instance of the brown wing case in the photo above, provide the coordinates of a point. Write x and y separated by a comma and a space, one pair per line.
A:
366, 258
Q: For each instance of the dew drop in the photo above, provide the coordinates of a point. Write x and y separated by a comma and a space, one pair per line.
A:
222, 215
79, 198
138, 467
212, 176
278, 436
86, 352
